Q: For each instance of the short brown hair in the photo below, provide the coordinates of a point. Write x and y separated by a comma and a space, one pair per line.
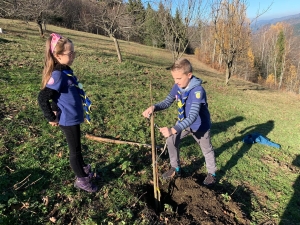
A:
182, 64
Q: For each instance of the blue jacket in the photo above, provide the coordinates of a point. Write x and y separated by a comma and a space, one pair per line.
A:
68, 99
200, 121
196, 95
258, 138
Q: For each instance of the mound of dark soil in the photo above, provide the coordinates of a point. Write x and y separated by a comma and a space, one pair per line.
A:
186, 200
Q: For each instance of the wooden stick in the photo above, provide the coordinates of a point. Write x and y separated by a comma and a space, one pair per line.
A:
107, 140
154, 158
153, 162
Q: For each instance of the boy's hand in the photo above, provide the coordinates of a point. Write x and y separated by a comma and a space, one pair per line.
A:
148, 111
167, 132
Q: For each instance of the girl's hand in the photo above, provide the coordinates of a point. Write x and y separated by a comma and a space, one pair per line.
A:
148, 111
55, 122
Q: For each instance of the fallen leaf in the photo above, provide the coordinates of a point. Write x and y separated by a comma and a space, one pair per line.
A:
25, 205
52, 219
106, 194
45, 200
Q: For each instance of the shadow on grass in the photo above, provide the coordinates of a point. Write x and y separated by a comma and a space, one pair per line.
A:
245, 201
122, 178
216, 128
2, 40
292, 210
241, 193
20, 192
263, 129
2, 109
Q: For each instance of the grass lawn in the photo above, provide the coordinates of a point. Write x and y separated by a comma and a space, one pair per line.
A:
36, 180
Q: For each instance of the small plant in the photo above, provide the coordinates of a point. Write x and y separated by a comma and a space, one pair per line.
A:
168, 208
226, 197
125, 166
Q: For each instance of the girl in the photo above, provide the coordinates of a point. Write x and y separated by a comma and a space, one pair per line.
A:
68, 102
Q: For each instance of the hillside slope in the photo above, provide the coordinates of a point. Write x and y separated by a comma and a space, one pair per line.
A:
257, 184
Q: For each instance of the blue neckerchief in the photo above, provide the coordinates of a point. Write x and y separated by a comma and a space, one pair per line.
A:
86, 103
183, 95
181, 98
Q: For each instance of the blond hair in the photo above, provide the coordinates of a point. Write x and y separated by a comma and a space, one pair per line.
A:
50, 60
182, 64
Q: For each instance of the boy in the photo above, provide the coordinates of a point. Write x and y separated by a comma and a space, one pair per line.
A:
193, 118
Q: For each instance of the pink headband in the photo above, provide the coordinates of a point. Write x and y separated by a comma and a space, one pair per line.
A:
55, 39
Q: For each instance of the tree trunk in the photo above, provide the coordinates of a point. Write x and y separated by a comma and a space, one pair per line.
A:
117, 48
220, 60
275, 74
40, 29
228, 71
227, 74
45, 27
39, 22
213, 53
282, 72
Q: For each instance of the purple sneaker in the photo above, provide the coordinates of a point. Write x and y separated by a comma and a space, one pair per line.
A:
88, 171
85, 183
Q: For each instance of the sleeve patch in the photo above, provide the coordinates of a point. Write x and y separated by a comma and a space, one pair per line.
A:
198, 94
51, 81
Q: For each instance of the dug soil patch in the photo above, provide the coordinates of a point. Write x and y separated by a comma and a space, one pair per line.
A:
186, 200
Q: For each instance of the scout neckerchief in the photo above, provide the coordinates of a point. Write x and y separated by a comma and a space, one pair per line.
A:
181, 99
85, 100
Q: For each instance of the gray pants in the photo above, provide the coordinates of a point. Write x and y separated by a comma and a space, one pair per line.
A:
204, 143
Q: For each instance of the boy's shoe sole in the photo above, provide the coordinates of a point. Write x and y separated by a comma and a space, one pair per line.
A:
209, 180
171, 173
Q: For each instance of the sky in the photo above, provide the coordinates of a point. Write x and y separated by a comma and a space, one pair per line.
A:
279, 8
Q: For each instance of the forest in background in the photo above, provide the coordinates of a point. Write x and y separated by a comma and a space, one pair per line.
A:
218, 32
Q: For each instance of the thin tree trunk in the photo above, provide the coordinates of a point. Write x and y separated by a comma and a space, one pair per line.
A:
213, 53
40, 29
220, 60
282, 72
275, 74
117, 48
39, 22
45, 27
228, 73
229, 68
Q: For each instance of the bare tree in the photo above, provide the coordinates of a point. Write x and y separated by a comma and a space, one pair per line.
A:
8, 7
108, 15
180, 22
28, 10
31, 10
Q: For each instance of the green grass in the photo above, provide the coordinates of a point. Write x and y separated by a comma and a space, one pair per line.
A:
120, 93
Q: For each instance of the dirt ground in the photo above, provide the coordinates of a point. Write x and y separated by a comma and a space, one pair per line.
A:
186, 201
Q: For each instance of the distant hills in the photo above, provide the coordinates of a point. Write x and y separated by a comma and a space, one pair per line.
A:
293, 20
